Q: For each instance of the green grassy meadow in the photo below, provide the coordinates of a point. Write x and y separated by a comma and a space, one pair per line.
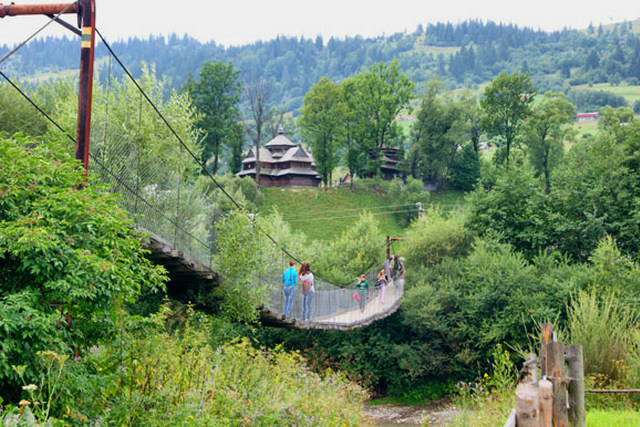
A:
630, 93
612, 418
323, 214
585, 129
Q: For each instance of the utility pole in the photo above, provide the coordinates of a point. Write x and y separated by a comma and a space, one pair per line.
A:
86, 11
389, 241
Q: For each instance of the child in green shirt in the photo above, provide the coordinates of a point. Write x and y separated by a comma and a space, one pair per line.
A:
363, 291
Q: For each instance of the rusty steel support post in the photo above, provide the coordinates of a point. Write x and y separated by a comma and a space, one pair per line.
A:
36, 9
388, 246
86, 10
87, 15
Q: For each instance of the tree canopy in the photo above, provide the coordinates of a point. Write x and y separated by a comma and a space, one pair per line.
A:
506, 103
216, 94
321, 122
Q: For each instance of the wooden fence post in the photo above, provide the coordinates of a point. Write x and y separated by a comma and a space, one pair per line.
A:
552, 367
544, 403
545, 393
577, 415
527, 405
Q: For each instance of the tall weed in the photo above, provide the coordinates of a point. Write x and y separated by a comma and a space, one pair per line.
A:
155, 375
606, 331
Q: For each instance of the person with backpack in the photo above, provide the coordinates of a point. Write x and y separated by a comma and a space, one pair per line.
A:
308, 289
398, 267
386, 266
289, 279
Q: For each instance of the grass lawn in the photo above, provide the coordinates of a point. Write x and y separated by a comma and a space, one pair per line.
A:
611, 418
630, 93
585, 129
325, 214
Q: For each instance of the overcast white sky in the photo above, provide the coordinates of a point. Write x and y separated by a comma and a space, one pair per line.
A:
235, 22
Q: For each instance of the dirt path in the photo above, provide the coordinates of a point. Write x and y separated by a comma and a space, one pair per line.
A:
437, 413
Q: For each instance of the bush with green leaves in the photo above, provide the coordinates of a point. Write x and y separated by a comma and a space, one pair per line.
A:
435, 237
356, 251
239, 260
68, 256
164, 370
463, 307
408, 194
465, 170
516, 209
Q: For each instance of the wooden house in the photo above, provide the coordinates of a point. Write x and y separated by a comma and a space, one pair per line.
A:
282, 164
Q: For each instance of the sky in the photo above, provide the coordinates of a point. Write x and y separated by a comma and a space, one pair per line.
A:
237, 22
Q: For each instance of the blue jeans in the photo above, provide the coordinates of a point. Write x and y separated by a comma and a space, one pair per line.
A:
306, 306
289, 295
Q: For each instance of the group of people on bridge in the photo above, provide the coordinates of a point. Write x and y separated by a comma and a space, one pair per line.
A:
291, 277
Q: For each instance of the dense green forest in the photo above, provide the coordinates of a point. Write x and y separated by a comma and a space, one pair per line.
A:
464, 55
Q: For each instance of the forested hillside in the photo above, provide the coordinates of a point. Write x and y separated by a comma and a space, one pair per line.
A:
465, 54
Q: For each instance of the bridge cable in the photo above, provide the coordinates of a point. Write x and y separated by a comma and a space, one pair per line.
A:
53, 18
197, 160
352, 216
166, 122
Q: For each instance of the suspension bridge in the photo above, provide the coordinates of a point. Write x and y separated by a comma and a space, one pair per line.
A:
158, 185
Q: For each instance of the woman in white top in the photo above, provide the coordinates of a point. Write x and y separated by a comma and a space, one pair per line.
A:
308, 289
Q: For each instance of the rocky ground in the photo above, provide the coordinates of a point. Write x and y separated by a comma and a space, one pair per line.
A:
437, 413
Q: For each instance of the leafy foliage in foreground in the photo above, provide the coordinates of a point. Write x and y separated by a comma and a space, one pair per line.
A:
68, 257
165, 370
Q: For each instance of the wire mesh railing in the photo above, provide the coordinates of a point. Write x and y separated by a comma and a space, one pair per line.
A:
331, 305
133, 150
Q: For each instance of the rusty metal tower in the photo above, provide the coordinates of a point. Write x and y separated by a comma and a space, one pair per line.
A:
86, 27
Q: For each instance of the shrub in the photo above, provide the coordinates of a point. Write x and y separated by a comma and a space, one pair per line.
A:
356, 251
465, 171
432, 238
407, 194
154, 373
607, 332
68, 257
516, 209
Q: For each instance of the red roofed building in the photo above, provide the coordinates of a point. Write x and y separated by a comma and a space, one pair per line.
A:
587, 117
282, 164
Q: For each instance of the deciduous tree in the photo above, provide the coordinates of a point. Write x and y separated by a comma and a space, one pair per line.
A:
216, 95
439, 132
506, 104
258, 91
321, 122
545, 132
380, 94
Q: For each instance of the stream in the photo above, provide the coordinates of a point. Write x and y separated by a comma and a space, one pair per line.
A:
438, 413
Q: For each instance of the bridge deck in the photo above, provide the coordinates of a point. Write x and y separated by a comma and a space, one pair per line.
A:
332, 308
346, 319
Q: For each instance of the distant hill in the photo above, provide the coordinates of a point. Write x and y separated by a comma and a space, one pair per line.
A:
464, 55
